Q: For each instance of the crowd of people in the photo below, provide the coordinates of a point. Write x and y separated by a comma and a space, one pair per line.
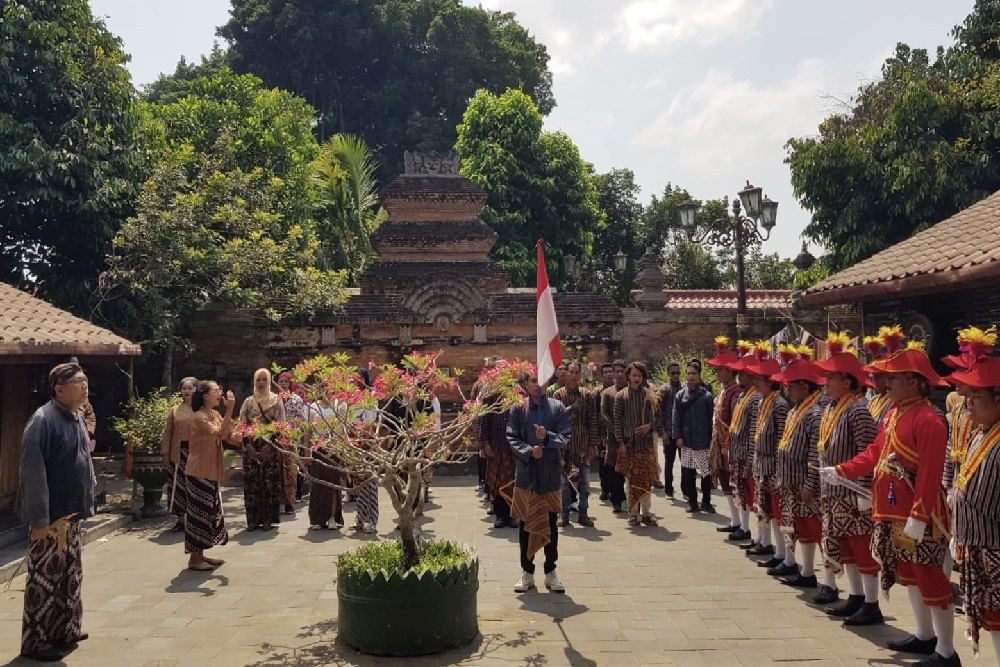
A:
827, 468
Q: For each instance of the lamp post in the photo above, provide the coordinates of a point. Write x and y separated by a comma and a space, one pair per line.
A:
581, 276
737, 231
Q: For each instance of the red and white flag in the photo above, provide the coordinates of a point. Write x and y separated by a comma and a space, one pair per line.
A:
549, 352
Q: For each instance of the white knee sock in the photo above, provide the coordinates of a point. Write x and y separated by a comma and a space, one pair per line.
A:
744, 520
808, 559
830, 580
734, 513
854, 585
789, 553
777, 539
995, 636
764, 533
925, 626
870, 582
949, 562
944, 627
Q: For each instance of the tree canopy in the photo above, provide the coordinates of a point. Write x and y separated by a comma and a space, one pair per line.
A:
536, 183
909, 149
398, 73
69, 170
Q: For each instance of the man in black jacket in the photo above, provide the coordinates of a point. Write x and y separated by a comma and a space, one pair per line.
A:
665, 428
693, 412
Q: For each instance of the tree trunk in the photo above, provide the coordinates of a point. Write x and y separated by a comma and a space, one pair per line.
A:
167, 370
402, 501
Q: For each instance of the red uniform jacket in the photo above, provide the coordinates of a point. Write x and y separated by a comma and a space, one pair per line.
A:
914, 432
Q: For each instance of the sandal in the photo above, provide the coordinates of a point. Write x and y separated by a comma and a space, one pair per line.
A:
203, 566
633, 521
649, 521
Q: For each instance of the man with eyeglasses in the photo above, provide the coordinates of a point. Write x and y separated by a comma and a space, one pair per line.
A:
56, 493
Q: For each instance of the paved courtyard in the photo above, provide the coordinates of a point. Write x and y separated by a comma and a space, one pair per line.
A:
676, 594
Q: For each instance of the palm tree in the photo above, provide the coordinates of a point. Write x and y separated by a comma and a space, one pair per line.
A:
347, 203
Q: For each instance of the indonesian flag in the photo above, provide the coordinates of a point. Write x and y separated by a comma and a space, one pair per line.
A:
549, 352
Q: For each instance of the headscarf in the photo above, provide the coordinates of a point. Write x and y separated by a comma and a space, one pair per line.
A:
266, 398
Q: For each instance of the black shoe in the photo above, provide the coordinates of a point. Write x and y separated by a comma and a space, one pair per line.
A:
770, 563
826, 595
851, 605
913, 645
798, 581
499, 523
617, 509
45, 655
708, 508
783, 570
739, 535
512, 523
936, 660
604, 495
727, 529
760, 551
691, 509
869, 614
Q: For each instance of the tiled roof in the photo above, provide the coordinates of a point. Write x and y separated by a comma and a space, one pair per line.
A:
434, 188
706, 299
30, 326
425, 270
436, 232
962, 249
570, 307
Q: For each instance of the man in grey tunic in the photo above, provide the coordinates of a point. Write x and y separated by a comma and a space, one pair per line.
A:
56, 493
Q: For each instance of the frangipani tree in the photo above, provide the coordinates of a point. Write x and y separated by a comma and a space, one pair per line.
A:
385, 432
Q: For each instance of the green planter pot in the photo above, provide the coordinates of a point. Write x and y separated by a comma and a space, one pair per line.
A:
409, 615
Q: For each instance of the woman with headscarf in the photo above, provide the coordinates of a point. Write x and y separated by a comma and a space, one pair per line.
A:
326, 503
174, 448
263, 469
295, 410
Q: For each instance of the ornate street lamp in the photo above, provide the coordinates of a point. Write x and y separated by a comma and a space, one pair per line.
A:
737, 231
621, 261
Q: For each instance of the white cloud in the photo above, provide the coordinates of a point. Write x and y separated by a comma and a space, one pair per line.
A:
653, 24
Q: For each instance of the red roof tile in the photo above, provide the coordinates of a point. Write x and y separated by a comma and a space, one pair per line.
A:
706, 299
30, 326
960, 250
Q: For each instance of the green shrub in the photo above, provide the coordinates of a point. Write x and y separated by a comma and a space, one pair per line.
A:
675, 354
388, 556
145, 417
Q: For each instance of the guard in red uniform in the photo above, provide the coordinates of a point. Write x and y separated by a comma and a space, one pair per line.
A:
911, 517
725, 402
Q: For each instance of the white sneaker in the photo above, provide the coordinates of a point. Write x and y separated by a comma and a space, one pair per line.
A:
553, 584
526, 582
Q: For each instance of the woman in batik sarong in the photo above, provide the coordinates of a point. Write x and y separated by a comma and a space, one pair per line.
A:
174, 448
263, 463
635, 419
205, 526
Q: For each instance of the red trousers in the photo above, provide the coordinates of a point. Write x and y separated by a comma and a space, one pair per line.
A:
934, 586
809, 530
991, 621
857, 550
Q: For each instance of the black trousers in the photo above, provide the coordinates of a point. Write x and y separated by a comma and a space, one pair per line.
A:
551, 549
602, 472
669, 457
689, 487
616, 486
481, 465
501, 509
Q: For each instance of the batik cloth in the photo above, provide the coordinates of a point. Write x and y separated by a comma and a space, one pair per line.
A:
205, 526
534, 509
641, 471
53, 603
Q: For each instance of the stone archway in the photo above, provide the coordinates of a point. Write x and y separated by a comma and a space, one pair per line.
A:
444, 300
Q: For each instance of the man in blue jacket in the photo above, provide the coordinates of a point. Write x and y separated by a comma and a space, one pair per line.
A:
692, 426
537, 431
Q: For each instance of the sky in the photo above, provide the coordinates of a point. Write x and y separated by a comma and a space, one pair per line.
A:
699, 93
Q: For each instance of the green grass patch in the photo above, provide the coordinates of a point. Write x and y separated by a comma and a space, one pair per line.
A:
388, 556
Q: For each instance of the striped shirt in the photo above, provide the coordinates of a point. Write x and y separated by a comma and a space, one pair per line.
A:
977, 511
583, 419
768, 433
633, 408
853, 432
794, 459
741, 447
607, 427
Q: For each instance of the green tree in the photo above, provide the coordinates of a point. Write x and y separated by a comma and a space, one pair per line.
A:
347, 206
619, 202
912, 149
225, 215
69, 171
398, 73
170, 88
536, 183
